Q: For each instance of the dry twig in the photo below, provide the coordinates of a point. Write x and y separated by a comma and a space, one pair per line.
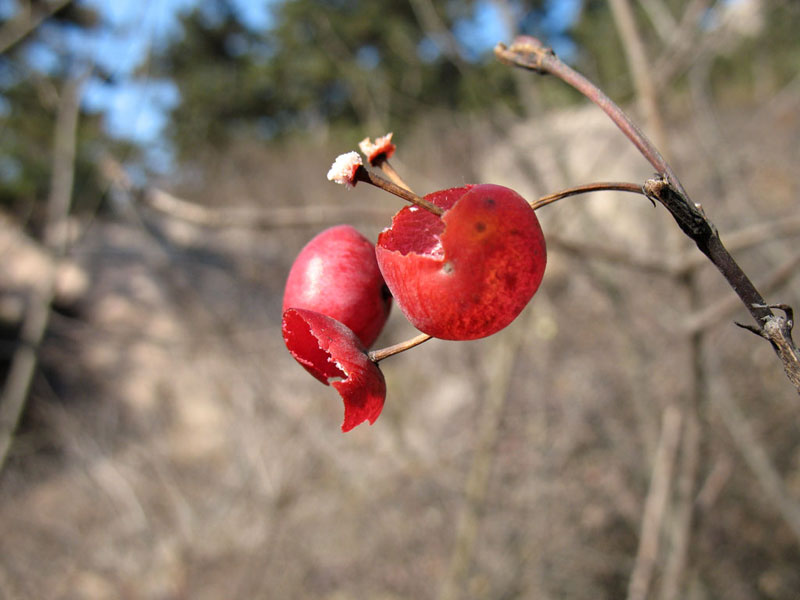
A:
529, 53
26, 21
655, 505
25, 359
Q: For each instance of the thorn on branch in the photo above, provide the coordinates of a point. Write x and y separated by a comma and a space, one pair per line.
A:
752, 328
778, 330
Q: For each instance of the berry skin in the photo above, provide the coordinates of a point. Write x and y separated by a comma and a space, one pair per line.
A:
336, 274
469, 273
335, 356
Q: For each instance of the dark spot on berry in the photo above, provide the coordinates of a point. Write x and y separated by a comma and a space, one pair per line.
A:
490, 201
447, 267
480, 226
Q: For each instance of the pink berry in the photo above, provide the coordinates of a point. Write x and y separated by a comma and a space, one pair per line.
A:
336, 274
333, 354
469, 273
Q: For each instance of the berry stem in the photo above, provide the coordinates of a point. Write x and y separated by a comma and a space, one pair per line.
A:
362, 174
384, 165
378, 355
615, 186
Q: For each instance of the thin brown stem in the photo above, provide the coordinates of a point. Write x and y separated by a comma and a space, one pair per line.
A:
379, 355
362, 174
529, 53
615, 186
384, 165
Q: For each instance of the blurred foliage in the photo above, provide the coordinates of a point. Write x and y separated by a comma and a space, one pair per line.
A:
347, 67
324, 63
764, 63
29, 93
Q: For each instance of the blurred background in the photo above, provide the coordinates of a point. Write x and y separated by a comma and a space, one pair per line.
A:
163, 161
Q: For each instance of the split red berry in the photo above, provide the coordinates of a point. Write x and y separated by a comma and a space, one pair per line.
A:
333, 354
469, 273
336, 274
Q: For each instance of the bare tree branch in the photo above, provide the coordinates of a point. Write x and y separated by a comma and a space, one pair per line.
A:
25, 359
655, 505
26, 21
529, 53
498, 379
636, 55
755, 454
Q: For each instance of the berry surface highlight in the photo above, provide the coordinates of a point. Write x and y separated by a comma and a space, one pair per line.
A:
337, 274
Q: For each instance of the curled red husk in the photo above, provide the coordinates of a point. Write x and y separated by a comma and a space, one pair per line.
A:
335, 356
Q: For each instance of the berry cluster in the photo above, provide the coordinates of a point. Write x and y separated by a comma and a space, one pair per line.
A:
460, 263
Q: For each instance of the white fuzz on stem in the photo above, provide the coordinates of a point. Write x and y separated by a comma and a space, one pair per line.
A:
343, 170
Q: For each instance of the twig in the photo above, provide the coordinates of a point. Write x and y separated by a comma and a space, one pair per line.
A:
662, 20
25, 359
726, 307
681, 531
28, 19
529, 53
647, 264
755, 455
675, 564
749, 236
614, 186
247, 218
641, 73
653, 517
500, 367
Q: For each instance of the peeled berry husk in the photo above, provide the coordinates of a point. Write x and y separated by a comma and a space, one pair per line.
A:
469, 273
333, 354
336, 274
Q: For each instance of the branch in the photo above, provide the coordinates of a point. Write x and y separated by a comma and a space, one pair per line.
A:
755, 455
529, 53
641, 73
655, 505
727, 307
26, 21
498, 375
23, 363
247, 218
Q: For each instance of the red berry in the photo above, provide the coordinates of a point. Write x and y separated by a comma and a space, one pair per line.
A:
333, 354
337, 275
469, 273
